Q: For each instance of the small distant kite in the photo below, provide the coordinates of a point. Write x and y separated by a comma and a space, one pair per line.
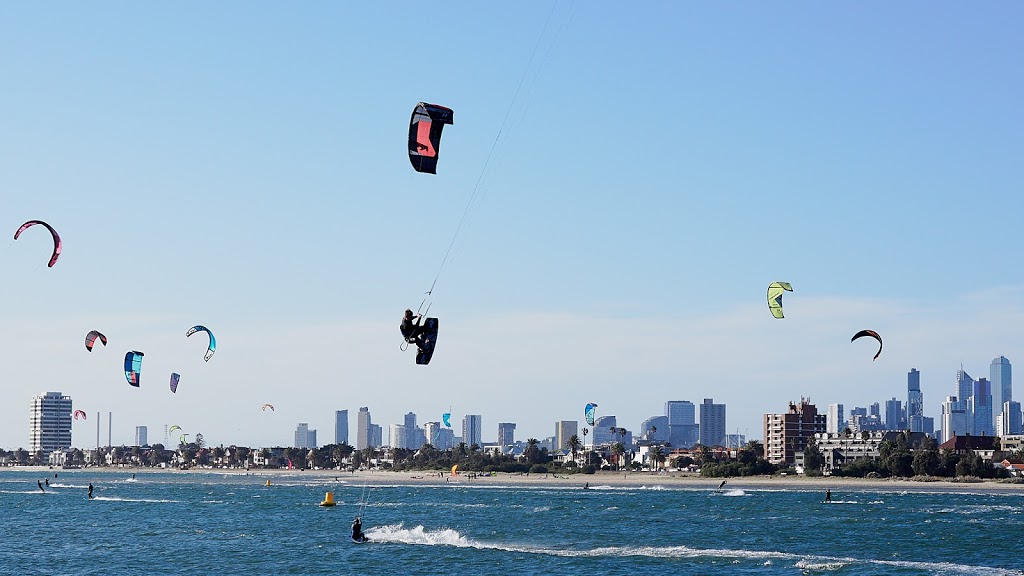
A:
213, 341
91, 337
271, 406
872, 334
181, 439
82, 412
56, 238
775, 291
133, 367
173, 428
425, 128
174, 381
447, 419
589, 412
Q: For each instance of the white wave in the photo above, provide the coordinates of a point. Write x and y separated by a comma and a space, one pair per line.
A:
843, 502
735, 492
61, 485
542, 509
811, 565
418, 535
149, 500
37, 491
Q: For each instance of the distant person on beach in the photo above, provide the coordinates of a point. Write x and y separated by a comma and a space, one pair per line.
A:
40, 484
828, 495
90, 490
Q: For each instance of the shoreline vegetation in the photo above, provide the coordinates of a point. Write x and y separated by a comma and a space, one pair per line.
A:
596, 481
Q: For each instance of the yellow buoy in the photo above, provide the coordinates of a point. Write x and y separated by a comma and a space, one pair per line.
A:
328, 499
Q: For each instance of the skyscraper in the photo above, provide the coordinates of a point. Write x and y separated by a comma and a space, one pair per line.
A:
411, 437
655, 429
712, 423
564, 429
915, 402
341, 426
1000, 375
603, 430
472, 429
507, 434
981, 408
304, 437
49, 423
398, 436
363, 431
141, 433
954, 418
682, 425
1010, 419
894, 415
376, 436
835, 423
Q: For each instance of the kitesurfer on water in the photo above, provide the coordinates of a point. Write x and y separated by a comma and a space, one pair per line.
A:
828, 495
410, 328
40, 483
357, 530
90, 490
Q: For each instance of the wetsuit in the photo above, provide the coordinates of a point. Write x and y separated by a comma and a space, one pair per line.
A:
410, 330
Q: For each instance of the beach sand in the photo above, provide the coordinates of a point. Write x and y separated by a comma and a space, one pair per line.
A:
667, 480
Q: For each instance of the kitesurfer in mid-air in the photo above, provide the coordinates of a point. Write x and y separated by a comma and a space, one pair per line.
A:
90, 490
357, 531
411, 329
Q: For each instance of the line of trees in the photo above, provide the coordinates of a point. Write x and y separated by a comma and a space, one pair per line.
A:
898, 459
749, 461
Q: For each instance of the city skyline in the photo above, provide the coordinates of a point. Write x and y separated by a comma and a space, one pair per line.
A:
229, 159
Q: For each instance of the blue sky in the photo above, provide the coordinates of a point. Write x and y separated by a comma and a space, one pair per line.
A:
243, 166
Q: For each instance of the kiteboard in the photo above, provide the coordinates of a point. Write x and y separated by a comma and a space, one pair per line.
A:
429, 338
362, 540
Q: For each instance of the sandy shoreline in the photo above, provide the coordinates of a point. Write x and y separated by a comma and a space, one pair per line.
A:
676, 481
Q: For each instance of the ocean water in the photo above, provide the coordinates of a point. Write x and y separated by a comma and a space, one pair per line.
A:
197, 524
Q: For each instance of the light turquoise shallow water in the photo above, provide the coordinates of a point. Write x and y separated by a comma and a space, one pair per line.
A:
195, 524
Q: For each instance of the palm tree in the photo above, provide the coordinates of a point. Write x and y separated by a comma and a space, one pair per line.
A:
532, 451
573, 444
756, 447
617, 451
657, 455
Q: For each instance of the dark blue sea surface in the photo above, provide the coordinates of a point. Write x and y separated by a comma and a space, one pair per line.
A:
211, 523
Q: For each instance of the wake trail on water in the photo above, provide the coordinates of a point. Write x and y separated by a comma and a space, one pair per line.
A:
734, 492
148, 500
398, 533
